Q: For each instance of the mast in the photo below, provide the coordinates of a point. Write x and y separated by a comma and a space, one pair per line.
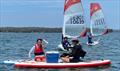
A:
63, 29
91, 30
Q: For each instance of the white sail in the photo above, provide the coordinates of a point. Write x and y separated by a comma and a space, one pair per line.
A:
74, 24
98, 25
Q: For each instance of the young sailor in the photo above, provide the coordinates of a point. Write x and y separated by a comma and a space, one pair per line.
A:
75, 54
65, 43
90, 38
38, 49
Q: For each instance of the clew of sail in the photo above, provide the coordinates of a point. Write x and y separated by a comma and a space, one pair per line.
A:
74, 25
98, 25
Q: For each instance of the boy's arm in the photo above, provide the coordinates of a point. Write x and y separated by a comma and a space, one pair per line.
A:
31, 50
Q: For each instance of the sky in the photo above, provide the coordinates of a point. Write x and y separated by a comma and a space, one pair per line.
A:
49, 13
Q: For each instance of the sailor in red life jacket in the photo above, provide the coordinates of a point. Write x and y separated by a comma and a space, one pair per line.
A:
38, 50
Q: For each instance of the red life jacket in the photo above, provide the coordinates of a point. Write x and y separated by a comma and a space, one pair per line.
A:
38, 49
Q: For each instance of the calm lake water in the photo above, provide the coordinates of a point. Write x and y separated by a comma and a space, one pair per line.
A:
15, 46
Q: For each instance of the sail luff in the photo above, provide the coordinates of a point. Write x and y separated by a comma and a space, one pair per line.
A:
91, 30
63, 29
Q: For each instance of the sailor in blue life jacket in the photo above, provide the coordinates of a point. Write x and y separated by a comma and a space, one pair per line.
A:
75, 54
90, 38
65, 43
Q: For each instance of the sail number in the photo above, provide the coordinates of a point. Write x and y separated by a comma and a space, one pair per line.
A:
77, 20
99, 22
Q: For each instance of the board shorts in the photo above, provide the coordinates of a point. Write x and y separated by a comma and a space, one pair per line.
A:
40, 58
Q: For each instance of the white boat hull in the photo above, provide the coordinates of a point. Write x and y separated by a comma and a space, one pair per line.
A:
61, 47
94, 43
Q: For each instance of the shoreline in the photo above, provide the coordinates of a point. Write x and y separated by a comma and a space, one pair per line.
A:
37, 29
30, 29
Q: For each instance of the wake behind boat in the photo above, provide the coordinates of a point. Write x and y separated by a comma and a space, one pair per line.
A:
93, 43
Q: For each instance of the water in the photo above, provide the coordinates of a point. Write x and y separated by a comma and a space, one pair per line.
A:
16, 46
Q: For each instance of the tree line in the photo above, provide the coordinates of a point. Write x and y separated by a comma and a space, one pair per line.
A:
36, 29
30, 29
